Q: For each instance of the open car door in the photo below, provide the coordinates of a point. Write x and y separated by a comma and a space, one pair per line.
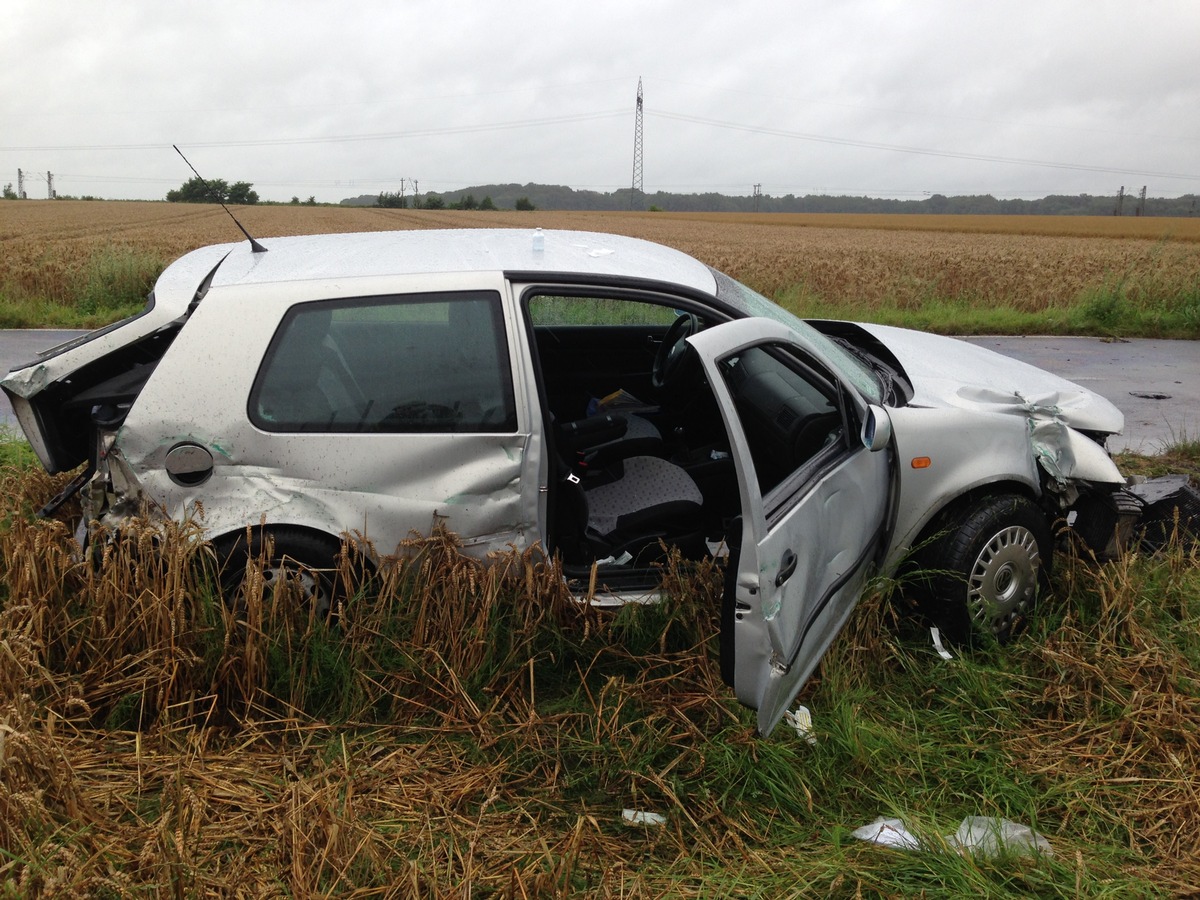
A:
816, 502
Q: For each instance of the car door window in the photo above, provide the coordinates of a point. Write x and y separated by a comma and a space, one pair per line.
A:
547, 310
789, 411
592, 346
414, 363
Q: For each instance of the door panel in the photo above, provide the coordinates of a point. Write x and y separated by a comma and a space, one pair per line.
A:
812, 526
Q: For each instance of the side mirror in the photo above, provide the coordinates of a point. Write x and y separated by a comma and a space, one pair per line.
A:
876, 428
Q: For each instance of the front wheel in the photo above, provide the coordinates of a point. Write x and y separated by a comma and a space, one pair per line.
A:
983, 572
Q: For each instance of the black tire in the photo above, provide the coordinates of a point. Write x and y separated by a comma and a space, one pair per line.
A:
307, 559
984, 570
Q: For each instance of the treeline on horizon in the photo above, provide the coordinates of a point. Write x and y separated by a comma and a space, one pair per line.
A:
560, 197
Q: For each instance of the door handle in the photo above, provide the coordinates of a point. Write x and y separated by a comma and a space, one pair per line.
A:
786, 568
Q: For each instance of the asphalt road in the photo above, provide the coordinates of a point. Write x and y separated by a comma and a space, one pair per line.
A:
1156, 384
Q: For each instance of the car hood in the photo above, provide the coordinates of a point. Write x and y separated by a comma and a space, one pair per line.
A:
949, 372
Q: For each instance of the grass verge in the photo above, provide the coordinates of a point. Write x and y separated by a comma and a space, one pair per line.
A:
107, 285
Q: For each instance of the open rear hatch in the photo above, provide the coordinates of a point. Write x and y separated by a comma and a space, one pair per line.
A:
70, 391
60, 415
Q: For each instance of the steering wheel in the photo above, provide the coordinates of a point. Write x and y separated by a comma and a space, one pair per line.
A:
674, 349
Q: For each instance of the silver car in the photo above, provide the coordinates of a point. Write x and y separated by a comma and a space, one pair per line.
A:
602, 396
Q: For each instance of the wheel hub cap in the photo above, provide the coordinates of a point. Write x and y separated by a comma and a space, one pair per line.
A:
1004, 579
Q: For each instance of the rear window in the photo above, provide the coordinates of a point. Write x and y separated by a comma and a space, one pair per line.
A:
403, 364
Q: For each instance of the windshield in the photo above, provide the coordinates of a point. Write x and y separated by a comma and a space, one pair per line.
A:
755, 304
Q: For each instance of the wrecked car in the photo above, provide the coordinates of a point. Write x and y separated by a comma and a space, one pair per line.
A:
602, 396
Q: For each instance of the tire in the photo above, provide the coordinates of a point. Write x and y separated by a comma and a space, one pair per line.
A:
305, 558
985, 569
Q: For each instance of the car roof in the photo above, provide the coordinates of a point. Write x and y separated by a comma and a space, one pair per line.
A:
411, 252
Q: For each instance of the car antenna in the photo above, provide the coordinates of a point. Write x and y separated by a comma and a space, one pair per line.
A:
255, 246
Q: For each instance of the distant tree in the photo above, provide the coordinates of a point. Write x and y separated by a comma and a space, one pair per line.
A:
433, 201
311, 201
486, 203
295, 200
393, 200
938, 203
524, 204
199, 190
467, 202
242, 192
9, 193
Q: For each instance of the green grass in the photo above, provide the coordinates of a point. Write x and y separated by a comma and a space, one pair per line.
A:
111, 285
1105, 312
15, 450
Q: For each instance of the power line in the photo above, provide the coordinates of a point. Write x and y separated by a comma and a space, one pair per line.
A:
607, 114
921, 151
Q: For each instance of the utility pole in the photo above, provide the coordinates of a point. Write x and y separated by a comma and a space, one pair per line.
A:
1120, 201
20, 184
416, 195
757, 195
49, 185
1141, 207
636, 189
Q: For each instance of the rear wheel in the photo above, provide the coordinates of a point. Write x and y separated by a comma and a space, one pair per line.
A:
293, 560
984, 571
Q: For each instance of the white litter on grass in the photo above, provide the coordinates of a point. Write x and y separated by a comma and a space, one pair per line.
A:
640, 817
801, 720
990, 836
937, 644
888, 833
982, 835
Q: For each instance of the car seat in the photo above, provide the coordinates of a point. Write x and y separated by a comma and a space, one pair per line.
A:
637, 505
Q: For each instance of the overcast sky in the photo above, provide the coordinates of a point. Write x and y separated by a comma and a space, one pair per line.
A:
897, 98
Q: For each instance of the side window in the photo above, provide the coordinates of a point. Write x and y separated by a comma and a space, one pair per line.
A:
550, 310
790, 412
413, 363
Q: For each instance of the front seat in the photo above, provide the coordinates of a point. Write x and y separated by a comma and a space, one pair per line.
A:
607, 437
633, 506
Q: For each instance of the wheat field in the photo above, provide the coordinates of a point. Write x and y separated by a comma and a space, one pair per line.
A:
863, 263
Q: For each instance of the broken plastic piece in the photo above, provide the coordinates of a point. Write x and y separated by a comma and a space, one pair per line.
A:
801, 719
623, 560
937, 643
640, 817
